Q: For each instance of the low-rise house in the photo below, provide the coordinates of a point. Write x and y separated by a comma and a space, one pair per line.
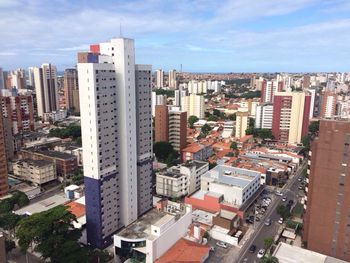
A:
185, 251
197, 151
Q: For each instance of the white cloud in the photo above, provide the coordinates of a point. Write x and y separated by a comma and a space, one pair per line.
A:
8, 53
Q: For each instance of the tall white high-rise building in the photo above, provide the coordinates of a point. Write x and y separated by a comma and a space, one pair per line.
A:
172, 79
263, 118
116, 125
193, 105
159, 78
45, 81
31, 76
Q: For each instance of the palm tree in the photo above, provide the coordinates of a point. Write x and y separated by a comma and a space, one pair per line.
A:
269, 259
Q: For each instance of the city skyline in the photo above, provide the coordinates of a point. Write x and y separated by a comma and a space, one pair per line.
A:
236, 36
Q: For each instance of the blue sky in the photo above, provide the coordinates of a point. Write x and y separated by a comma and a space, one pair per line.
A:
203, 35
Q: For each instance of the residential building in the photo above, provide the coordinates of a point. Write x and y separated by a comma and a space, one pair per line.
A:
38, 172
2, 80
241, 124
148, 238
237, 185
269, 88
157, 100
45, 80
19, 110
290, 120
306, 82
117, 139
177, 129
159, 78
228, 129
316, 102
17, 79
172, 79
65, 163
197, 151
193, 105
31, 78
71, 90
54, 116
181, 180
326, 221
3, 160
161, 124
329, 103
264, 114
171, 126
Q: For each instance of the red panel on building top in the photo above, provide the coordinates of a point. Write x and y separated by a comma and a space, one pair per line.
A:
95, 48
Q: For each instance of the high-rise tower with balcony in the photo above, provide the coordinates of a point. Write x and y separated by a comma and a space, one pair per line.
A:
116, 120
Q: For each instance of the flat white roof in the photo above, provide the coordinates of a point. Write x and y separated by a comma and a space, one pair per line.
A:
238, 177
290, 254
43, 205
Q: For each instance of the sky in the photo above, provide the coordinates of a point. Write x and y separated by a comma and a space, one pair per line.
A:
202, 35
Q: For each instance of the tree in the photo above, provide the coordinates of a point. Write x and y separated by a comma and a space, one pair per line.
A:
232, 117
212, 118
314, 127
283, 211
9, 221
269, 259
53, 235
9, 245
191, 120
233, 146
251, 123
306, 141
205, 129
212, 165
163, 150
268, 242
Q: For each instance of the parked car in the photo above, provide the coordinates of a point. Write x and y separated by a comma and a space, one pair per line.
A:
284, 199
257, 219
261, 253
278, 192
212, 248
280, 221
252, 248
301, 187
268, 222
221, 244
300, 179
290, 202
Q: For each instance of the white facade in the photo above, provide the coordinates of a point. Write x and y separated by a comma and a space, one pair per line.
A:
45, 81
159, 78
330, 104
241, 124
181, 180
312, 102
157, 100
116, 132
172, 79
156, 234
193, 105
264, 115
31, 76
236, 184
54, 116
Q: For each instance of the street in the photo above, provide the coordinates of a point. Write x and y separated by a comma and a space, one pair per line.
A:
291, 191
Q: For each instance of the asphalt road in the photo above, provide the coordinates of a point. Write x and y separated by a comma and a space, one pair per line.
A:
292, 192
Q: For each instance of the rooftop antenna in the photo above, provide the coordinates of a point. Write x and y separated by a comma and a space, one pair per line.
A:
120, 28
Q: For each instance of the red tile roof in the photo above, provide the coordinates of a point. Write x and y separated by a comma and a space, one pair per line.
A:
185, 251
76, 209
